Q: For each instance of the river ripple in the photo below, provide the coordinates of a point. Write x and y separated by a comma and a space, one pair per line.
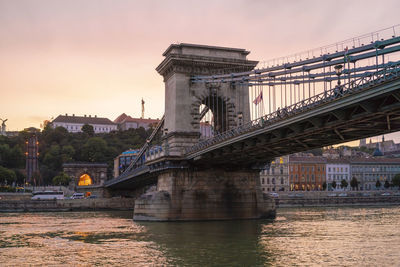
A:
367, 236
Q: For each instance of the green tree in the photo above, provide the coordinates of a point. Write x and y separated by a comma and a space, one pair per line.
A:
344, 184
386, 185
354, 183
53, 157
378, 184
396, 180
95, 150
334, 184
67, 153
61, 179
7, 176
20, 177
88, 129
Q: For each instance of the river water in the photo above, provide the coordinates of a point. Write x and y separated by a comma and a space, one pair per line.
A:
346, 236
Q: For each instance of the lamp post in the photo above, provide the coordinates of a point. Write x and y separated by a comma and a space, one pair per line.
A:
240, 117
338, 70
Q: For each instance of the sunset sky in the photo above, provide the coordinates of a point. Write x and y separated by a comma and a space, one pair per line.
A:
99, 57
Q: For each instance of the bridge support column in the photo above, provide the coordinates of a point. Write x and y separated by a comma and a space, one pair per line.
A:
205, 195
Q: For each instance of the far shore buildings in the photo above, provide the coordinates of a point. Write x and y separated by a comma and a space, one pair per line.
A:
74, 124
307, 173
126, 122
276, 176
337, 170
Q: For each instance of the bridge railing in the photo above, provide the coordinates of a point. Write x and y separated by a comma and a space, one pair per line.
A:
366, 81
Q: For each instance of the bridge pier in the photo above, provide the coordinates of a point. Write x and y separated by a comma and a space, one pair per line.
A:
212, 194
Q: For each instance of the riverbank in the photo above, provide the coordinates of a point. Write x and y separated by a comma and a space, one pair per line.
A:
326, 200
91, 204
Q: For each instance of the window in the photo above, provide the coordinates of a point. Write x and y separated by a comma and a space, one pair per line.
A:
262, 181
281, 180
273, 180
267, 180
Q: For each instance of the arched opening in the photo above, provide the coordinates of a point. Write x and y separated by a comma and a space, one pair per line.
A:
85, 180
214, 116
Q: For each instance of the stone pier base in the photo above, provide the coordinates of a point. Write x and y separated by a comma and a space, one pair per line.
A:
205, 195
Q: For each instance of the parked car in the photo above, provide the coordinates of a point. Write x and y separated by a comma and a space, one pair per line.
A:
92, 196
385, 194
332, 195
78, 196
366, 194
342, 195
273, 194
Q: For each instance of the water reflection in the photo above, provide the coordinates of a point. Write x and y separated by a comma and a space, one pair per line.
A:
217, 243
297, 237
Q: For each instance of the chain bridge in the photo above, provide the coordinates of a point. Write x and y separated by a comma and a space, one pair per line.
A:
226, 117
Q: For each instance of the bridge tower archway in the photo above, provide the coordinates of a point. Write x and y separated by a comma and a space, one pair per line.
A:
184, 96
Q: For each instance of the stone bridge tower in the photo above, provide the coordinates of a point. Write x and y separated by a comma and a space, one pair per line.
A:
184, 96
194, 192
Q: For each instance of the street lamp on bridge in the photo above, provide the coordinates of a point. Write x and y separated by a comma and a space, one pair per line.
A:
338, 70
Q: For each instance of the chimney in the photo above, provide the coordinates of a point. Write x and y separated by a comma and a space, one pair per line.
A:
95, 116
73, 115
85, 115
66, 114
90, 116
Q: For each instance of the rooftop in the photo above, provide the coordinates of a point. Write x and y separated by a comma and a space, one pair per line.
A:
83, 119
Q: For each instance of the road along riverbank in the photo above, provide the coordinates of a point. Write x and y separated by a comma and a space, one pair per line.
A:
91, 204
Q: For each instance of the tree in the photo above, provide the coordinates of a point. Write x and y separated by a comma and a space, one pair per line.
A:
88, 129
20, 177
396, 180
334, 184
61, 179
386, 185
95, 150
324, 186
354, 183
378, 184
7, 176
344, 184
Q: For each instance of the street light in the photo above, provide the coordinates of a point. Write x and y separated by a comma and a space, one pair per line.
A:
240, 117
338, 70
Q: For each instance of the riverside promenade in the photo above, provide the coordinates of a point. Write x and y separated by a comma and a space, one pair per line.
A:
337, 198
21, 202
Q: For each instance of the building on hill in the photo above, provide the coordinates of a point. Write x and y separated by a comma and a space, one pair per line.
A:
74, 124
126, 122
384, 146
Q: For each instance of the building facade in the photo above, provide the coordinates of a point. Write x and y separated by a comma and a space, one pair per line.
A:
122, 161
126, 122
306, 173
337, 170
368, 171
74, 124
276, 176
